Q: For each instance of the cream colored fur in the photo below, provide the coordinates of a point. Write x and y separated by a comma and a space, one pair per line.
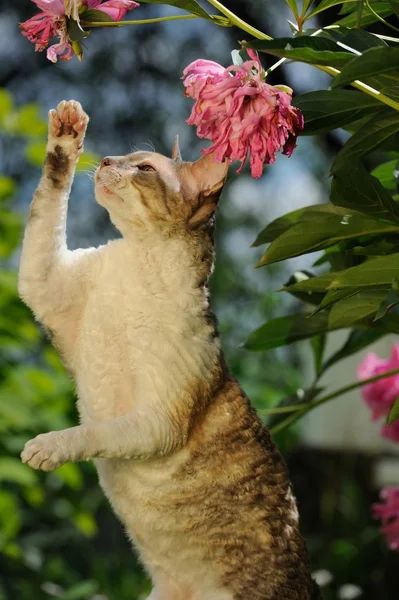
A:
125, 317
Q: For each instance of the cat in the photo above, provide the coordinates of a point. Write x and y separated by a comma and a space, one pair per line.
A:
181, 454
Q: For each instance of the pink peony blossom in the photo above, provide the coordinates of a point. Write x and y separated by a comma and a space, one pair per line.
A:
380, 395
52, 22
240, 113
388, 512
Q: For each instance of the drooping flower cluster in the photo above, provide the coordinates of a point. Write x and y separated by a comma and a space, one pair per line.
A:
380, 395
240, 113
388, 512
52, 22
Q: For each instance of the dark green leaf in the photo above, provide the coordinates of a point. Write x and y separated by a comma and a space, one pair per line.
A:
326, 230
356, 307
374, 249
308, 297
91, 16
286, 330
358, 39
324, 4
318, 345
325, 110
191, 6
370, 136
393, 413
388, 174
389, 301
395, 6
314, 50
75, 31
357, 340
352, 187
371, 62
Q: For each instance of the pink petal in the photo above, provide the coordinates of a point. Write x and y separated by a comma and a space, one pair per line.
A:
63, 50
54, 7
117, 9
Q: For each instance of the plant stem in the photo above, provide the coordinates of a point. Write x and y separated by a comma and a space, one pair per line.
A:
239, 22
302, 409
139, 22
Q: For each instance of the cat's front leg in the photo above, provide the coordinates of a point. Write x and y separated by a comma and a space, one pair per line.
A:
137, 435
45, 260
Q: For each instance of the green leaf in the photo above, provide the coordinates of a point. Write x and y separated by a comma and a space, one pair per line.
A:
388, 174
381, 8
372, 62
293, 6
7, 187
75, 31
81, 591
308, 297
352, 187
30, 121
286, 330
357, 39
191, 6
369, 137
375, 273
325, 231
334, 296
89, 16
324, 4
6, 104
374, 249
388, 302
355, 308
314, 50
325, 110
356, 341
393, 413
307, 214
11, 469
305, 5
395, 6
318, 345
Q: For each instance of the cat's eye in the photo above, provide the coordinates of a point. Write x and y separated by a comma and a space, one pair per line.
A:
145, 167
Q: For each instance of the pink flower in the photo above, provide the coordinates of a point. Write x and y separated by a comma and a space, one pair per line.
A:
388, 512
380, 395
116, 9
240, 113
53, 22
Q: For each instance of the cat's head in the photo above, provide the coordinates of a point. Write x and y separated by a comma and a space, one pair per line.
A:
146, 193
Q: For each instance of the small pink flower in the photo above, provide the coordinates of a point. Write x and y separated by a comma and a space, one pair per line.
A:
388, 512
116, 9
240, 113
380, 395
52, 22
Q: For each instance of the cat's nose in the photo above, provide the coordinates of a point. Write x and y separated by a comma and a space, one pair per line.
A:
107, 161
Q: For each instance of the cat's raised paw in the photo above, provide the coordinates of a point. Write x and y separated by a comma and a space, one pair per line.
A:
44, 452
68, 122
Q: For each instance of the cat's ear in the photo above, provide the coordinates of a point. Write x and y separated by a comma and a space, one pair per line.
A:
176, 155
206, 179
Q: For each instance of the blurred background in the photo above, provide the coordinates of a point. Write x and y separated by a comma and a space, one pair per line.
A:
58, 536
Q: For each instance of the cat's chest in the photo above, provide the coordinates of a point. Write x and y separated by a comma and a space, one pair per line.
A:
139, 338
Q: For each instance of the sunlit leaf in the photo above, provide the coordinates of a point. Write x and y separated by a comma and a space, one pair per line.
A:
371, 62
191, 6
